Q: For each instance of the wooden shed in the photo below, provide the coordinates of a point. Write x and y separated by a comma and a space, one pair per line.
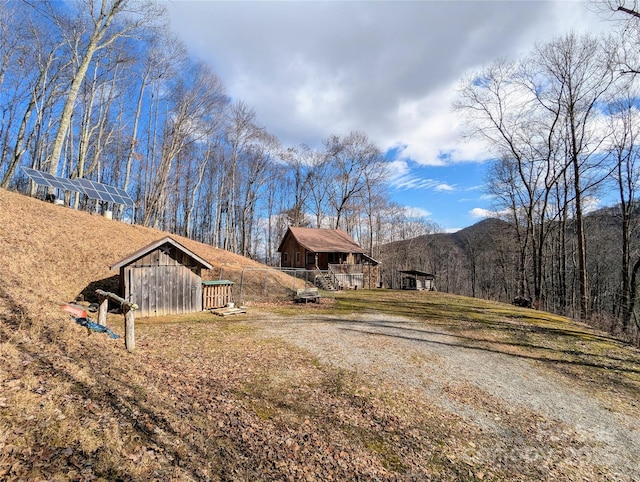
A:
417, 280
163, 278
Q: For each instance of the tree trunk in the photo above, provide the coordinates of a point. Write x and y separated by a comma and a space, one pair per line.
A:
101, 23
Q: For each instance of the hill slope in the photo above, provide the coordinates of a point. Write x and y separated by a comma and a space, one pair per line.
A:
374, 387
67, 401
53, 253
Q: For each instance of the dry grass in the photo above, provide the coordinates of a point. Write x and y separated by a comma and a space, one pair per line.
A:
62, 252
205, 398
573, 352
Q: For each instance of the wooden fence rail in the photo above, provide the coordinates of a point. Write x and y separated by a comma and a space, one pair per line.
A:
128, 310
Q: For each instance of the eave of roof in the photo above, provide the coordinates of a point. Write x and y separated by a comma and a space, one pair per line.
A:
416, 272
156, 244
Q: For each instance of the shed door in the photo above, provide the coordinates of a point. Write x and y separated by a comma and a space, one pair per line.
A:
163, 290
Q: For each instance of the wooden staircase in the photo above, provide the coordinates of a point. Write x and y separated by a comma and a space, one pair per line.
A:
325, 281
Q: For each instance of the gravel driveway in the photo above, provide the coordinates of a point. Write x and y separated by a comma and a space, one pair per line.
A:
526, 412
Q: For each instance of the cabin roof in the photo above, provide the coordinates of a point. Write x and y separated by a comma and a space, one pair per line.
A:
155, 245
320, 240
415, 272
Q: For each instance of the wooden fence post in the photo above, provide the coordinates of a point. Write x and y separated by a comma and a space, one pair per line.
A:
128, 309
102, 311
129, 329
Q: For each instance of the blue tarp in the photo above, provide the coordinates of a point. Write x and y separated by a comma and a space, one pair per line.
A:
90, 325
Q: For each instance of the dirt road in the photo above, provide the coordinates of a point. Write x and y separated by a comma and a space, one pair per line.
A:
521, 410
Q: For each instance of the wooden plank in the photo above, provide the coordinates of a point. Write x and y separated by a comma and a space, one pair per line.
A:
306, 294
102, 312
168, 285
153, 291
197, 296
186, 285
192, 291
216, 296
141, 286
128, 309
154, 257
228, 311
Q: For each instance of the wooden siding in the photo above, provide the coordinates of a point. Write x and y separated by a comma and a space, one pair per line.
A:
163, 290
291, 247
319, 248
299, 257
165, 281
357, 275
165, 256
216, 295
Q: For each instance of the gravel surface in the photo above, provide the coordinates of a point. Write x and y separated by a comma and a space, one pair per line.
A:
496, 392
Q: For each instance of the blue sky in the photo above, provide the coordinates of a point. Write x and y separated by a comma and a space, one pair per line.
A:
389, 69
451, 195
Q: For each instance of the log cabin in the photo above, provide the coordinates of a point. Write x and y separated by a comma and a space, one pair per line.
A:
340, 262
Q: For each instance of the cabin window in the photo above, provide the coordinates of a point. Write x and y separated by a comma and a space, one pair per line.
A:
311, 259
285, 258
297, 257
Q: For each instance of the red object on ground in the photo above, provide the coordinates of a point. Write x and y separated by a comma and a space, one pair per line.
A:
76, 310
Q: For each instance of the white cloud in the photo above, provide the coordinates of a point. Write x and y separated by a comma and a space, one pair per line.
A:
402, 177
389, 69
481, 213
416, 212
444, 187
590, 204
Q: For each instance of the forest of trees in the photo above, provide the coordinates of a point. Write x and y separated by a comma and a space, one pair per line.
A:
561, 125
101, 89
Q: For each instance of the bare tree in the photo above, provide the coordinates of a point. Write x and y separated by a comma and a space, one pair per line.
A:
351, 158
30, 56
300, 165
321, 175
106, 21
541, 115
501, 104
196, 101
625, 120
579, 74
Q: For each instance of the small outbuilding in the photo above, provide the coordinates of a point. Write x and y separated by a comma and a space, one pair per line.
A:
163, 278
417, 280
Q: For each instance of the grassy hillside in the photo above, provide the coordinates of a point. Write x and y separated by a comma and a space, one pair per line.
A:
54, 253
50, 369
208, 398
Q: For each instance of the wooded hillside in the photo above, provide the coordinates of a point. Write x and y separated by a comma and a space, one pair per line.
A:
109, 94
484, 261
382, 385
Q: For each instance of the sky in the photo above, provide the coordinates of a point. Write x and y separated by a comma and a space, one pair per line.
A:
390, 69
